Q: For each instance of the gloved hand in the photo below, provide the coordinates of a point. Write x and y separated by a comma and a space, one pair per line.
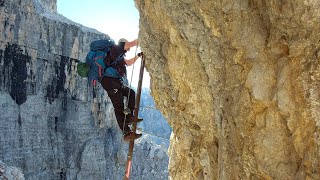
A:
140, 54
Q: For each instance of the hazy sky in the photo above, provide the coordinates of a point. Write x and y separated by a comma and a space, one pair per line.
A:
117, 18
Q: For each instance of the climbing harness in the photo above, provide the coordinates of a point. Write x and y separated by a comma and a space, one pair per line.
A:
136, 112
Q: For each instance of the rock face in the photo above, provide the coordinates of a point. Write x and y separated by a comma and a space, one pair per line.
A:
11, 173
53, 125
239, 84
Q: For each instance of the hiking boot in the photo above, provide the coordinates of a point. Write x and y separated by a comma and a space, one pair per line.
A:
131, 136
131, 120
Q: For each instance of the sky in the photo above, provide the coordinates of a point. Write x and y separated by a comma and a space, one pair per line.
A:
117, 18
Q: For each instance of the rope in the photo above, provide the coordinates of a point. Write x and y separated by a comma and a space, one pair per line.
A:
135, 54
128, 97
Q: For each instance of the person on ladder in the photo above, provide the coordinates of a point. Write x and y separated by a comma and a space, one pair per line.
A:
112, 82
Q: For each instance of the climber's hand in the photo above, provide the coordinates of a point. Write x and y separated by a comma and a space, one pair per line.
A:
140, 54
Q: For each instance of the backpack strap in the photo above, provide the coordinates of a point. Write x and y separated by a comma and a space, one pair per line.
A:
94, 82
100, 69
117, 59
98, 57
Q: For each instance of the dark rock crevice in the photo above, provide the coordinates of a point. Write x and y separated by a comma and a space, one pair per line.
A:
15, 72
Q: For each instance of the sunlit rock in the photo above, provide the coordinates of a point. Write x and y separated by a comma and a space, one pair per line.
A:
238, 82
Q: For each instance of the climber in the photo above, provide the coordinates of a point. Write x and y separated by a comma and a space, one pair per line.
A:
113, 83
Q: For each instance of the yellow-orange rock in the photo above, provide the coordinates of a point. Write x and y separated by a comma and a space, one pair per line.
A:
239, 82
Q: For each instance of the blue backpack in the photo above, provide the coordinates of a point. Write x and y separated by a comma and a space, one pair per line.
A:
99, 49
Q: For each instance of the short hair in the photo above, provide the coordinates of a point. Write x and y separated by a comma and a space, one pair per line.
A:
122, 40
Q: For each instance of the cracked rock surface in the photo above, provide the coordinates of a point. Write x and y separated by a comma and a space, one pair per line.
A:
53, 124
238, 82
8, 172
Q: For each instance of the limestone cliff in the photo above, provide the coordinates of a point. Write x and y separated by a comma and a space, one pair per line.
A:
239, 82
11, 173
52, 124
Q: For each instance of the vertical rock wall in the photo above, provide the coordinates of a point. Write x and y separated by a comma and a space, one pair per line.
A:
239, 83
46, 117
10, 172
52, 124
